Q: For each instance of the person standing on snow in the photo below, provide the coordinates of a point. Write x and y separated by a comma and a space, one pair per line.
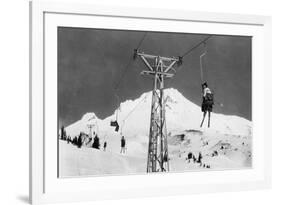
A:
200, 159
104, 146
123, 145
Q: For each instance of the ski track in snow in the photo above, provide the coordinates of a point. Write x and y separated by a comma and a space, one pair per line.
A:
229, 136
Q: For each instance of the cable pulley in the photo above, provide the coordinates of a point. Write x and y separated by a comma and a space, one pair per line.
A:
180, 62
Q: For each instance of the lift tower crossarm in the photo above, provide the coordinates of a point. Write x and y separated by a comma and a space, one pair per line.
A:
149, 56
167, 75
159, 68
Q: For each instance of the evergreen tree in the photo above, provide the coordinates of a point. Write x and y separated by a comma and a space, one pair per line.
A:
79, 142
62, 133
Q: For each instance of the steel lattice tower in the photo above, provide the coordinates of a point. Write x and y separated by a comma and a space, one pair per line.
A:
159, 68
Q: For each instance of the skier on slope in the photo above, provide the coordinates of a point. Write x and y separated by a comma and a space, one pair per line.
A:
200, 159
123, 145
189, 156
207, 103
104, 146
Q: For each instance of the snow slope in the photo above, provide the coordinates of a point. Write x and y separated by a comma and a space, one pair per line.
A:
229, 136
88, 161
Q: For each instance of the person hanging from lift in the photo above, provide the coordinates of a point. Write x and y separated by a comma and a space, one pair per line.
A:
123, 145
207, 103
115, 124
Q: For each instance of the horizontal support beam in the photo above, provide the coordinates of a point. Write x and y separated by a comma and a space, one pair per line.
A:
167, 75
149, 56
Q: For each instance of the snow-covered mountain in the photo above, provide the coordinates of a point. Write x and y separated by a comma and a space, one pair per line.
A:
227, 144
181, 114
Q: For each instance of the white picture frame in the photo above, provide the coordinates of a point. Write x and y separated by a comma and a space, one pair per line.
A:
45, 187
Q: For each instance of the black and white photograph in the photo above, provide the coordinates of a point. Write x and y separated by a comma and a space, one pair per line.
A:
137, 102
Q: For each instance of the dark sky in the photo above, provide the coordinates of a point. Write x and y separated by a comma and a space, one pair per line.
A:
91, 62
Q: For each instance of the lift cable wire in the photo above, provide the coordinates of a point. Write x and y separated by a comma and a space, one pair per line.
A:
204, 41
141, 41
128, 64
137, 105
123, 75
190, 50
197, 45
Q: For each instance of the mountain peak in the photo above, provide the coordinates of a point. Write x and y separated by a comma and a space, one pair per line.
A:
89, 116
173, 93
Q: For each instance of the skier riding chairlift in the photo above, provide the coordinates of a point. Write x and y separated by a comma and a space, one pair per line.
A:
207, 103
115, 124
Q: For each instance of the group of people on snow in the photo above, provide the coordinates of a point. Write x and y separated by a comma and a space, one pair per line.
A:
80, 140
192, 158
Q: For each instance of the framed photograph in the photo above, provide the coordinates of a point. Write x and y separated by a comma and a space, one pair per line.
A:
129, 102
